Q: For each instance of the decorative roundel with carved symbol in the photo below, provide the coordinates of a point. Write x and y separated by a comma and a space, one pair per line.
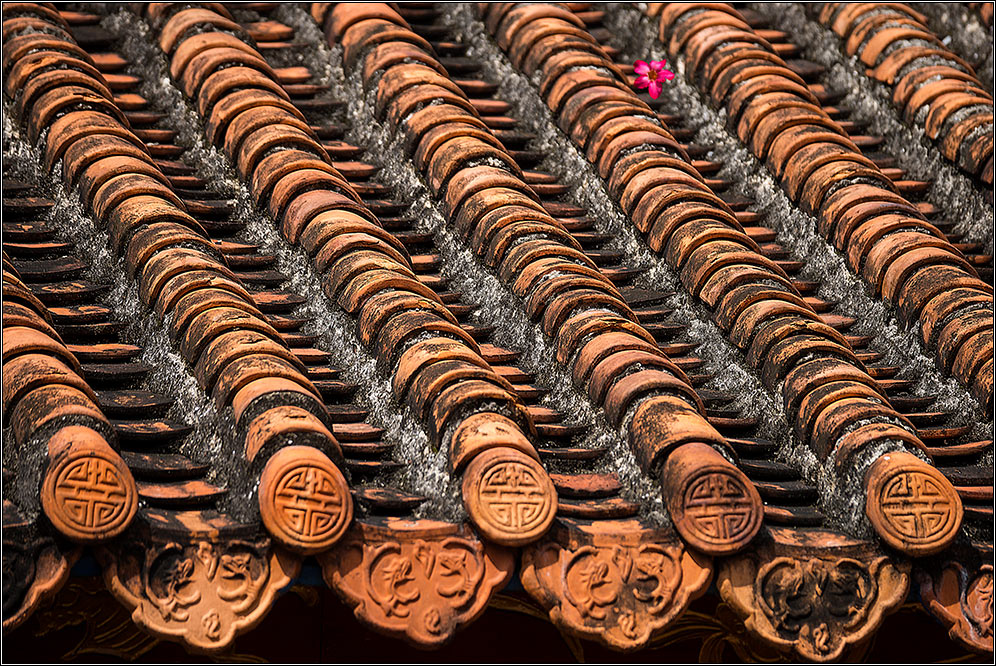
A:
913, 506
718, 509
89, 494
509, 496
304, 499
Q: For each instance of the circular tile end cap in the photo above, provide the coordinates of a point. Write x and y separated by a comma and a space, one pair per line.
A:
88, 493
911, 505
509, 496
304, 499
713, 505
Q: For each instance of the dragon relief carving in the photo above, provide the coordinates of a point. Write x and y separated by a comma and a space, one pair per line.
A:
202, 592
963, 600
417, 585
816, 601
805, 598
618, 588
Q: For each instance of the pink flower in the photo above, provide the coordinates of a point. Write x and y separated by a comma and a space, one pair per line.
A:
650, 74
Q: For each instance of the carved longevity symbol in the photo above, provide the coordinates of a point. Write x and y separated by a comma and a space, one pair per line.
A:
91, 493
916, 506
815, 599
718, 506
309, 501
512, 494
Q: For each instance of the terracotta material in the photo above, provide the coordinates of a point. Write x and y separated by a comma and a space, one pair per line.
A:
617, 582
40, 567
961, 597
87, 493
508, 496
709, 255
50, 405
482, 432
222, 335
186, 571
204, 589
947, 85
943, 88
713, 505
813, 593
304, 500
419, 580
913, 507
493, 207
366, 270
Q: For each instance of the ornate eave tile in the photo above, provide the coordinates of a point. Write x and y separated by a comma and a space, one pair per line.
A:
813, 592
419, 580
35, 567
202, 588
615, 581
958, 590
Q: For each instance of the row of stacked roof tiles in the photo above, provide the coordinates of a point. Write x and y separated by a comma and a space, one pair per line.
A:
452, 388
587, 486
697, 461
945, 97
237, 356
490, 201
885, 239
831, 314
508, 23
596, 334
826, 389
772, 513
935, 203
48, 404
309, 508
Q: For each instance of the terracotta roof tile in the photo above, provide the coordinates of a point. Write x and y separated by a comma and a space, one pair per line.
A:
356, 271
306, 466
158, 239
87, 492
866, 247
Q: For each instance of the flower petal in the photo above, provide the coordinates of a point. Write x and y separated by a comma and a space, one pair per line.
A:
642, 81
641, 67
654, 89
656, 65
667, 75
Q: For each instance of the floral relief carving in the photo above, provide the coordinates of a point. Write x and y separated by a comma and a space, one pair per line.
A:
962, 598
817, 595
419, 581
203, 592
619, 583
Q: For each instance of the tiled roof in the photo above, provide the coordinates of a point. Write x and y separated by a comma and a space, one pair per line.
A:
439, 298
